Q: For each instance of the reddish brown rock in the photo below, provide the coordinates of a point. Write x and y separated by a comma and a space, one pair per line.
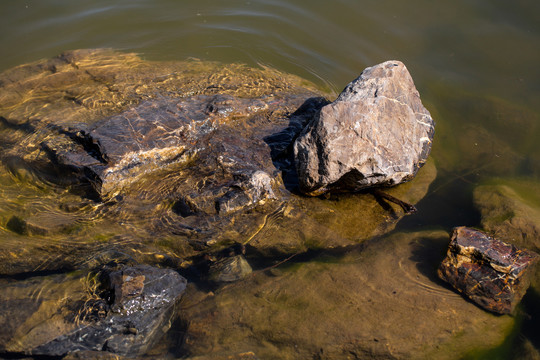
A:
492, 273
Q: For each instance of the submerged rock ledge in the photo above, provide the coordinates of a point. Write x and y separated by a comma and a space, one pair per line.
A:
124, 311
196, 152
160, 164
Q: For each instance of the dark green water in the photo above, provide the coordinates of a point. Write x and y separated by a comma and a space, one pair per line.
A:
475, 63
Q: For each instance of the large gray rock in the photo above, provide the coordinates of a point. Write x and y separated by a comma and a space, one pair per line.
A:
377, 132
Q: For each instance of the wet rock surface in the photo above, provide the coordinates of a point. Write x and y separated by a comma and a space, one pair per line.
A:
142, 162
122, 311
493, 274
377, 132
229, 269
194, 130
192, 154
154, 134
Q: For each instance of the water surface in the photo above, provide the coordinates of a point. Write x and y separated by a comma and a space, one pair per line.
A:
475, 64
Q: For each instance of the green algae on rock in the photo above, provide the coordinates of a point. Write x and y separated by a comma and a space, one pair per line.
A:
510, 209
337, 221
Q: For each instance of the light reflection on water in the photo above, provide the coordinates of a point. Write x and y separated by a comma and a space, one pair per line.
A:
475, 64
485, 44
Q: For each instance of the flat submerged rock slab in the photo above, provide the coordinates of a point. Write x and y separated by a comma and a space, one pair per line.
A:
116, 151
113, 117
379, 301
493, 274
510, 209
377, 132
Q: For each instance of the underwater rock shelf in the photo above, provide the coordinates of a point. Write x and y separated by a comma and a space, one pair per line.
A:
123, 310
158, 172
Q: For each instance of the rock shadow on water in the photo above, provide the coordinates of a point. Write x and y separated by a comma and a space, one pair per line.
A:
428, 253
530, 305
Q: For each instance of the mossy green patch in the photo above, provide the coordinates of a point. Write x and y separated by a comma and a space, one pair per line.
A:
503, 351
104, 238
510, 209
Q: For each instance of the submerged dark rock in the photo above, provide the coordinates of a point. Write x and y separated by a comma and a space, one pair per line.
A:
167, 141
493, 274
116, 151
376, 133
174, 158
509, 214
229, 269
125, 313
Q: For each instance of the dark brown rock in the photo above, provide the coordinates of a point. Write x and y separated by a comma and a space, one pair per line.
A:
117, 150
492, 273
377, 132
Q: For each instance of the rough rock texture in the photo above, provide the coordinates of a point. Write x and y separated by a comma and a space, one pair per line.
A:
377, 132
110, 119
125, 315
115, 151
493, 274
229, 269
89, 157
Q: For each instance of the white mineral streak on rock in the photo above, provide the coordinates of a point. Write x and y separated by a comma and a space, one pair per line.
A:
370, 135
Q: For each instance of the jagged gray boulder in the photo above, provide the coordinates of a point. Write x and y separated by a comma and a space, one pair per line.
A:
377, 132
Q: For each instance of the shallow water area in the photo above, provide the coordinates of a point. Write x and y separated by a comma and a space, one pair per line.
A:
346, 276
